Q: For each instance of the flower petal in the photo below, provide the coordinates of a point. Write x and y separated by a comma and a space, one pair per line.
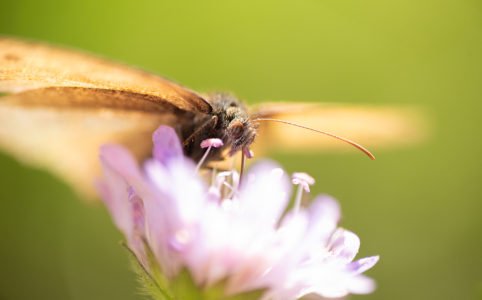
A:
115, 194
344, 245
361, 284
331, 291
361, 265
266, 197
323, 215
124, 206
166, 144
122, 161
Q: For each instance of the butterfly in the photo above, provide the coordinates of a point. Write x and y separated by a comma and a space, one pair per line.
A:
62, 104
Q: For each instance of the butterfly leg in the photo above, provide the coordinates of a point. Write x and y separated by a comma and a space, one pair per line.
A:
192, 136
243, 164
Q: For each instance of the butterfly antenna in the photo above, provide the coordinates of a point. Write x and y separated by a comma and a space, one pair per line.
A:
329, 134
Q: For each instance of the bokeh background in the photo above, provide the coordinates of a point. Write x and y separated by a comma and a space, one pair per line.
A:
419, 208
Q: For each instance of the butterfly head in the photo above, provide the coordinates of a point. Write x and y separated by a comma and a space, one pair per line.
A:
240, 131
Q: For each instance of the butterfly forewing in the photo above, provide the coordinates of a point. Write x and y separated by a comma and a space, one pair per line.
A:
65, 138
25, 65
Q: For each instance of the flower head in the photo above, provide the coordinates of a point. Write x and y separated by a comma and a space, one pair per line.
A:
222, 234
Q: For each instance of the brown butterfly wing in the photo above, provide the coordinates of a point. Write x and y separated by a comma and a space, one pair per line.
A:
26, 65
58, 129
65, 104
376, 127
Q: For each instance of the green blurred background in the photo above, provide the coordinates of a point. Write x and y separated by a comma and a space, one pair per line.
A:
419, 207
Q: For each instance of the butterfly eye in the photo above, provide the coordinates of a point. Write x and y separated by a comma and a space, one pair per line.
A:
236, 130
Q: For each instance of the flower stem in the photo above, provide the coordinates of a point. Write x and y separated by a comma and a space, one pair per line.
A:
202, 160
297, 204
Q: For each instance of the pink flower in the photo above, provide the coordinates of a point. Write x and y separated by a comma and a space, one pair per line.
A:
220, 233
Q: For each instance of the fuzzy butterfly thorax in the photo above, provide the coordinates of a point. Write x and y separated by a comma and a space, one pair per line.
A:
229, 121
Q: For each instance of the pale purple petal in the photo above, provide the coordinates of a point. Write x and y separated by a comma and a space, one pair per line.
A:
294, 225
166, 144
361, 265
125, 207
277, 173
115, 194
361, 284
161, 215
185, 193
335, 290
324, 214
344, 245
292, 230
122, 161
178, 202
265, 198
214, 194
314, 296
